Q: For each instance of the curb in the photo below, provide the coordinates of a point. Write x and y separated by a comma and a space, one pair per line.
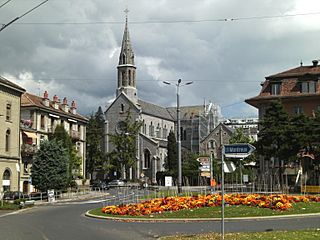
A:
87, 214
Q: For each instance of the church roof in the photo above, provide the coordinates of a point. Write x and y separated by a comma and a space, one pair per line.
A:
155, 110
187, 112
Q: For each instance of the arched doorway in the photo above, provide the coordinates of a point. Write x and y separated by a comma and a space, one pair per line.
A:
147, 159
25, 187
6, 180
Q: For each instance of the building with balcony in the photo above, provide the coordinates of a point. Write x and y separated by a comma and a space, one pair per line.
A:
39, 117
10, 98
298, 89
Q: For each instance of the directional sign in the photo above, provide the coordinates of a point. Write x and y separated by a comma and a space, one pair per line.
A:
238, 150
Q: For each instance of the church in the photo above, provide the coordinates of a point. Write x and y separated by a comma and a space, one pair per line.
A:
157, 121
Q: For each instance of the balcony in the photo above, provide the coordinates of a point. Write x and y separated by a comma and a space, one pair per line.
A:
28, 149
26, 124
75, 135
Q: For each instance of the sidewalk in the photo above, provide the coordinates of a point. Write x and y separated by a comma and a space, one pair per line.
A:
74, 196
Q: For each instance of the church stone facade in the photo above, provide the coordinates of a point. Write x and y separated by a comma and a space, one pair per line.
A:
157, 121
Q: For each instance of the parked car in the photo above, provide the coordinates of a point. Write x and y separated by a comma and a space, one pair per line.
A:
116, 183
13, 195
99, 185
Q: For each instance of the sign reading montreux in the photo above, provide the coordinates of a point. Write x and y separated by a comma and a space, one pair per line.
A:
238, 150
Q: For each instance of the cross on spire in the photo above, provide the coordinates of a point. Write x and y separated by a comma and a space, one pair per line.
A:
126, 11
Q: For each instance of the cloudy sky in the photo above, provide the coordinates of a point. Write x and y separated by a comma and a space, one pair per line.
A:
71, 48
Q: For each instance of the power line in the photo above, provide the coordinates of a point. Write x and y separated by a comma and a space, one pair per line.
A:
17, 18
176, 21
5, 3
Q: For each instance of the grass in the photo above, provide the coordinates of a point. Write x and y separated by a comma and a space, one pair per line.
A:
230, 212
283, 235
9, 206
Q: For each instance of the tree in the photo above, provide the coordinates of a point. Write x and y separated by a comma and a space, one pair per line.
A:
74, 161
95, 155
50, 168
274, 137
171, 162
123, 155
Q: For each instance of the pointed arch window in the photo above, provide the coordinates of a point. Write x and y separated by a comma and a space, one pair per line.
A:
122, 108
151, 130
7, 142
129, 76
123, 58
164, 132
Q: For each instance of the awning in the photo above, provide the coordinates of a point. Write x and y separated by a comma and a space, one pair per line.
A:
30, 134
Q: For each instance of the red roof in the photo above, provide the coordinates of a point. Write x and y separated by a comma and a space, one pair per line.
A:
30, 100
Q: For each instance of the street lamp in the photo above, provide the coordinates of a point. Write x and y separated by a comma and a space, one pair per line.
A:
178, 84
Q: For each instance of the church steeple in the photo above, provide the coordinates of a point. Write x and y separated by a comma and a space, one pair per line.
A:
126, 67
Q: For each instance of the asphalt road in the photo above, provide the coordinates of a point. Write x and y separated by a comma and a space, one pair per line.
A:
67, 221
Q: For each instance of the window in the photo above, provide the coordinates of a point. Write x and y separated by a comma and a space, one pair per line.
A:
144, 131
151, 130
6, 180
121, 108
308, 87
8, 113
129, 73
297, 110
211, 144
165, 132
275, 88
158, 130
8, 140
42, 122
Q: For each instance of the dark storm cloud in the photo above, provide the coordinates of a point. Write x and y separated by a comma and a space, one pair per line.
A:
226, 59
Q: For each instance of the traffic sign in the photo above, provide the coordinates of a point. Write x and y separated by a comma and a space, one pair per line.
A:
238, 150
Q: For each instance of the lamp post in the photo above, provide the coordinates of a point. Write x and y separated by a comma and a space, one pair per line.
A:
178, 84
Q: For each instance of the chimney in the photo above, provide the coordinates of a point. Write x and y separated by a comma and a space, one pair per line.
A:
315, 63
74, 107
45, 99
55, 102
65, 106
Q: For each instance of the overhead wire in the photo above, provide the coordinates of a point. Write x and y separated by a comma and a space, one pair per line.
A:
4, 3
175, 21
17, 18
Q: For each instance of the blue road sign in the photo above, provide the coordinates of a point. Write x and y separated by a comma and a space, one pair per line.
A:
238, 150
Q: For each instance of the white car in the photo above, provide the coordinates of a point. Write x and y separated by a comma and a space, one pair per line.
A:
116, 183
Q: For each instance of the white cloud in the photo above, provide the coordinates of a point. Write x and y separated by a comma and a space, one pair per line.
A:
226, 60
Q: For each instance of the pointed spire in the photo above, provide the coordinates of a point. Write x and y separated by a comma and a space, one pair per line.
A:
126, 54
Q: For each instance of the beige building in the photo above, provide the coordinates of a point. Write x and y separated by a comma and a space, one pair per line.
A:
10, 98
39, 117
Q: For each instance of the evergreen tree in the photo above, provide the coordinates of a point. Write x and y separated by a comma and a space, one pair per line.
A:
74, 161
49, 168
274, 136
95, 155
171, 162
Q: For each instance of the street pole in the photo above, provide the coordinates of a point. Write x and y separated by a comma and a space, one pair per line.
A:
222, 184
179, 132
179, 139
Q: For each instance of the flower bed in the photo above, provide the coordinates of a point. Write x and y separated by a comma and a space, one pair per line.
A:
158, 205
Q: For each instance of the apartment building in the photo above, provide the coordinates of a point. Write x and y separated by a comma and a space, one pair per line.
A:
10, 97
39, 117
